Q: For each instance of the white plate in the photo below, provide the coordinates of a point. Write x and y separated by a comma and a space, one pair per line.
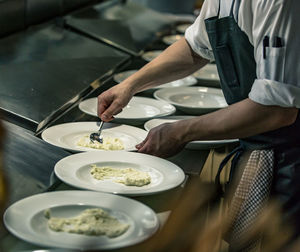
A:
182, 27
119, 77
170, 39
193, 100
25, 219
194, 145
150, 55
208, 73
68, 134
75, 170
185, 82
138, 110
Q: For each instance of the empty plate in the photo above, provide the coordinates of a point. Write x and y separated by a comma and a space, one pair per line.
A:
208, 73
119, 77
26, 220
150, 55
170, 39
67, 135
182, 27
184, 82
193, 100
138, 110
194, 145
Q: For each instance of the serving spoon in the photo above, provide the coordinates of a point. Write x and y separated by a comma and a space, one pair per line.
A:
96, 136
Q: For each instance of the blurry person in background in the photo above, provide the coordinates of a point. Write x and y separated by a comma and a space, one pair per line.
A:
255, 46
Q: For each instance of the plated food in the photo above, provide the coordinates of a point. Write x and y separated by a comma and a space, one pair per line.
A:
75, 136
127, 173
126, 176
109, 143
194, 145
91, 221
82, 220
193, 100
137, 111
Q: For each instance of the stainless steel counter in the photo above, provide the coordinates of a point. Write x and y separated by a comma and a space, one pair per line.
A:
46, 68
129, 27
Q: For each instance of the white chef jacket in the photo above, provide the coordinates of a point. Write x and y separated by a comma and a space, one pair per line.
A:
278, 74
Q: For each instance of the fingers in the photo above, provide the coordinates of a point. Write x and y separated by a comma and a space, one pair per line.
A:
114, 108
140, 145
108, 106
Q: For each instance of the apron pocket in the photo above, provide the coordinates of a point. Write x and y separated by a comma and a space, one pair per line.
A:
226, 66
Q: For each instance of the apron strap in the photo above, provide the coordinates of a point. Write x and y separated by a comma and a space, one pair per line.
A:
231, 8
237, 152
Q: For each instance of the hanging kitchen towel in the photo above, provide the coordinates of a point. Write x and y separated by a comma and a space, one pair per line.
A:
250, 197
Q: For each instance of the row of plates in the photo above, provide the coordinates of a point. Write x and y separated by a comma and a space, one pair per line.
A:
191, 100
25, 218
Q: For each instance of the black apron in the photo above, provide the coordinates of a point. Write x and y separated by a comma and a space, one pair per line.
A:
234, 56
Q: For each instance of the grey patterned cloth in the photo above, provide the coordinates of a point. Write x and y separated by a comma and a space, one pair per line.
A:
249, 198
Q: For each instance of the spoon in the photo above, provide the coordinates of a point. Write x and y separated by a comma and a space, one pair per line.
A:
96, 135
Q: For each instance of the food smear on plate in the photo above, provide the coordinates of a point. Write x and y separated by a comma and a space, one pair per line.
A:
109, 143
92, 221
126, 176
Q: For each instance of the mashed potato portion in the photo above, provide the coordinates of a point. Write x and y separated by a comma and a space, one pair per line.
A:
109, 143
126, 176
93, 221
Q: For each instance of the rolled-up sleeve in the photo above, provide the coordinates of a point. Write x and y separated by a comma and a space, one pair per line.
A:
196, 34
278, 68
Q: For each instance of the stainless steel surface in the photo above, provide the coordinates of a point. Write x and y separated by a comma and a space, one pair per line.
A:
96, 136
129, 27
46, 69
28, 162
12, 16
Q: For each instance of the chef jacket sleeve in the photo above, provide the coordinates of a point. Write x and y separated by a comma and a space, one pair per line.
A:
196, 34
278, 58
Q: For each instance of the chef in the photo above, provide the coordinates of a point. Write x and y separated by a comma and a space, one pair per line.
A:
255, 46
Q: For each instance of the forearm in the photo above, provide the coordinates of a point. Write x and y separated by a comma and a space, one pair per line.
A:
176, 62
240, 120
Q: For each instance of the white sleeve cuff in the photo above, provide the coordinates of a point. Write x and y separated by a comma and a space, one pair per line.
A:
203, 52
269, 92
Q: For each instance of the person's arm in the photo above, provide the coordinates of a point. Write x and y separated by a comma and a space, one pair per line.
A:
242, 119
176, 62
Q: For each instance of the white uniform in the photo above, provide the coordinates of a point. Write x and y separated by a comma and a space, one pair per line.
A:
278, 74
